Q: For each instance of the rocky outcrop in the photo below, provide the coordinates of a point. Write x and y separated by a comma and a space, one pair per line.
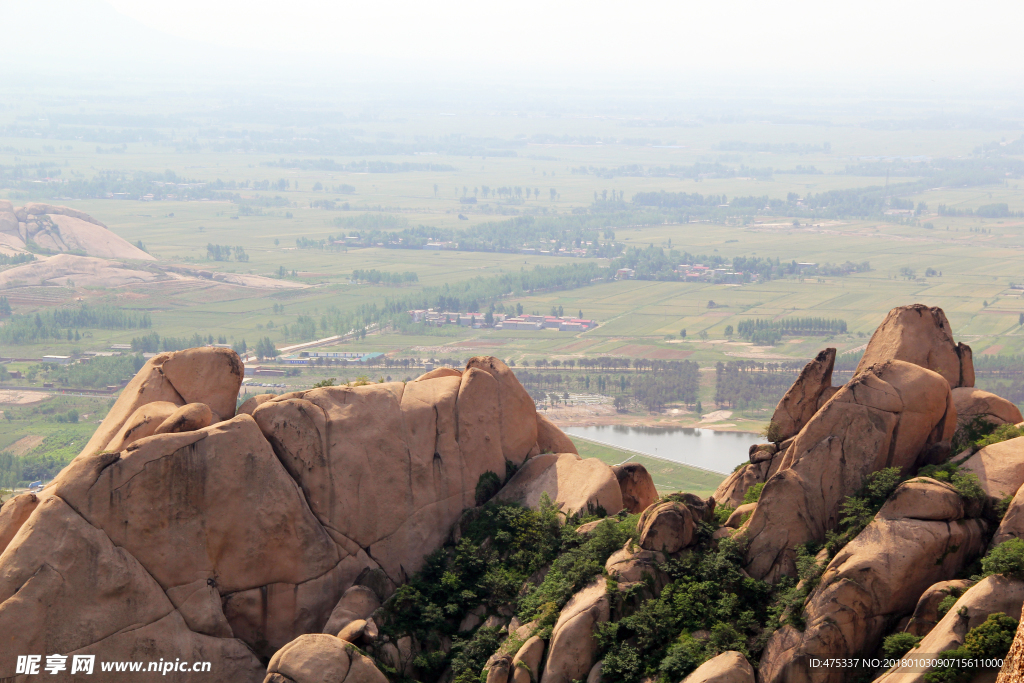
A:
551, 439
990, 595
253, 402
1011, 526
358, 603
634, 565
974, 403
920, 335
728, 667
571, 483
636, 485
891, 415
225, 537
731, 491
999, 467
526, 663
318, 658
573, 649
926, 614
208, 375
800, 403
876, 578
66, 588
666, 527
62, 229
1013, 664
13, 514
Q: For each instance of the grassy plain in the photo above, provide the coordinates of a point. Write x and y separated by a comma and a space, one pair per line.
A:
978, 258
668, 476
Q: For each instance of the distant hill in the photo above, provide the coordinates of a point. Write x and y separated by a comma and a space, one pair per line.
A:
59, 229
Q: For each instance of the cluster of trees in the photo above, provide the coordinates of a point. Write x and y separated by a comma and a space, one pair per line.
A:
5, 306
15, 260
375, 277
364, 166
818, 326
64, 323
221, 252
1000, 210
697, 171
657, 263
99, 372
154, 343
41, 463
751, 384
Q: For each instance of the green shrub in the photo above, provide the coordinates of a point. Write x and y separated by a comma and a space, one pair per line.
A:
487, 486
989, 640
899, 644
946, 604
858, 510
753, 494
1003, 432
1007, 559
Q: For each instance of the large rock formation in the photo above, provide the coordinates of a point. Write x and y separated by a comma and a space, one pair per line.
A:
999, 467
920, 335
801, 402
573, 649
974, 403
636, 485
184, 530
728, 667
918, 537
891, 415
61, 229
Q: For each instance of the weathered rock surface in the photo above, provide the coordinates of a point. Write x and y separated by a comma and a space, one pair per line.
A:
517, 413
1013, 664
319, 658
633, 564
920, 335
64, 587
13, 514
636, 485
204, 375
739, 515
870, 583
253, 402
800, 403
892, 415
573, 649
926, 614
990, 595
62, 229
358, 602
571, 483
143, 422
728, 667
1011, 526
731, 491
1000, 467
526, 662
551, 439
973, 403
667, 527
187, 418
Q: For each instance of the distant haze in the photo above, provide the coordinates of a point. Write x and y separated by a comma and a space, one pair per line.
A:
915, 46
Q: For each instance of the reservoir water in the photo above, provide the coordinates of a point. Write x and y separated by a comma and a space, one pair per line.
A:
717, 451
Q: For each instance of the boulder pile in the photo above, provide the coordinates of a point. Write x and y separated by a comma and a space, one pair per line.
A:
187, 529
276, 540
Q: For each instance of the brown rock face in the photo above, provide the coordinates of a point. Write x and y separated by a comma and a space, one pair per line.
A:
13, 514
731, 491
143, 422
920, 335
64, 587
205, 375
728, 667
800, 403
517, 412
526, 663
973, 403
892, 415
637, 486
870, 583
632, 565
1012, 525
1000, 467
253, 402
571, 483
318, 658
926, 614
187, 418
667, 527
551, 439
358, 602
992, 594
573, 649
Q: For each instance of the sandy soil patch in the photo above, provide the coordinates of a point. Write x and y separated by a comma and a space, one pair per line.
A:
716, 416
13, 397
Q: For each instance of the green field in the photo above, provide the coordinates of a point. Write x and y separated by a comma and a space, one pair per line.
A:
668, 477
966, 264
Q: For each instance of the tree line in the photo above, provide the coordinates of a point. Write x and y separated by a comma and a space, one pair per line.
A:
64, 323
375, 277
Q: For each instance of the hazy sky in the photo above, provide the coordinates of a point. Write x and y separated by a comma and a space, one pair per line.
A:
811, 35
898, 46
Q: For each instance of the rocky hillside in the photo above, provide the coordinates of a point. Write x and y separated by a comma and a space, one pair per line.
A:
440, 530
59, 229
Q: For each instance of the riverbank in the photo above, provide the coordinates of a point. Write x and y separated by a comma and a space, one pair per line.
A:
565, 416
